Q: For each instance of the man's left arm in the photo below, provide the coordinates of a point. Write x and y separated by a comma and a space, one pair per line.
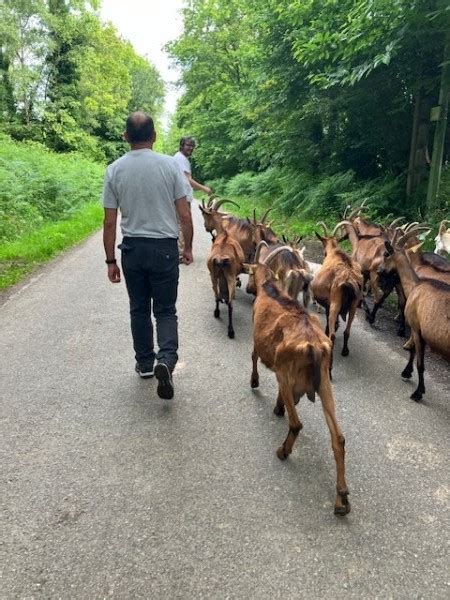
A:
109, 242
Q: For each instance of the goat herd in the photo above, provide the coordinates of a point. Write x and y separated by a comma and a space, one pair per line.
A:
289, 340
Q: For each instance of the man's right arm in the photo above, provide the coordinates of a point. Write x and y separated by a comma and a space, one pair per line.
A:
184, 214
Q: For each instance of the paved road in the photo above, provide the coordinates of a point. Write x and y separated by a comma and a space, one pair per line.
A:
109, 491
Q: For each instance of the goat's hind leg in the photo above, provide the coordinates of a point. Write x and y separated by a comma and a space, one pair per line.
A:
420, 358
351, 316
279, 409
230, 320
342, 505
254, 381
408, 370
294, 422
217, 311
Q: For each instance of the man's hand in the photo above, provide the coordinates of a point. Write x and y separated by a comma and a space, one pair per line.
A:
114, 273
188, 257
208, 190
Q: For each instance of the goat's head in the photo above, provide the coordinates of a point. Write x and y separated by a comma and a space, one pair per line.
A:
210, 211
398, 245
261, 230
329, 241
443, 239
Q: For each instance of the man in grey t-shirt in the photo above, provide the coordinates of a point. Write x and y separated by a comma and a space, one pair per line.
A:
150, 192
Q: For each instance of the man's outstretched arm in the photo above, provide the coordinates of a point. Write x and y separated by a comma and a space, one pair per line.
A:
198, 186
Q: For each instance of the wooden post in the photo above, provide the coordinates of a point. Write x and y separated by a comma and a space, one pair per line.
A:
440, 115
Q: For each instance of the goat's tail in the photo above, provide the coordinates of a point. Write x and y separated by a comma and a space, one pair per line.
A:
222, 263
350, 291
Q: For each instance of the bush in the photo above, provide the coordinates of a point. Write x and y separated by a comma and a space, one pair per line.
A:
38, 185
240, 185
268, 184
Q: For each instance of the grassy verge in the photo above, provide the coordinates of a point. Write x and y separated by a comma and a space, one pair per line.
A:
21, 256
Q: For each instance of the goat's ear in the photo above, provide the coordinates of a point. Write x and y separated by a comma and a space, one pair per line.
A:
389, 248
415, 248
248, 267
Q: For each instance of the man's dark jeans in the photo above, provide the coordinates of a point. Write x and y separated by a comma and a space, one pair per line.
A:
150, 267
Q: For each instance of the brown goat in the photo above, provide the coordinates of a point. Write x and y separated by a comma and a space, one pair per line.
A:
292, 344
290, 268
337, 286
225, 262
427, 311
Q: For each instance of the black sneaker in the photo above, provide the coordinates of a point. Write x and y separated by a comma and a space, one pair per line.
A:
144, 370
165, 384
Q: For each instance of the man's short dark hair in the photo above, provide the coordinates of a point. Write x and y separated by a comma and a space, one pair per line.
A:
185, 139
139, 127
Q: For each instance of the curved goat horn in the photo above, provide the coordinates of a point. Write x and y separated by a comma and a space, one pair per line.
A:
395, 221
347, 208
411, 233
269, 257
410, 226
219, 203
265, 214
325, 228
258, 250
254, 216
339, 225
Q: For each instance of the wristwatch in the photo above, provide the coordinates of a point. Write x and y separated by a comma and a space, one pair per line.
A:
111, 261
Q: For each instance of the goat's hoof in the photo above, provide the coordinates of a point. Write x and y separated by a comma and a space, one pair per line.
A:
370, 318
217, 313
406, 373
279, 411
416, 396
254, 382
281, 453
342, 505
238, 283
342, 510
231, 334
345, 352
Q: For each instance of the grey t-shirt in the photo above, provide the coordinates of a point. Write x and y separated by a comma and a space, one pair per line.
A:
144, 186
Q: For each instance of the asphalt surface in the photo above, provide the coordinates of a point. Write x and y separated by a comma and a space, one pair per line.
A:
108, 491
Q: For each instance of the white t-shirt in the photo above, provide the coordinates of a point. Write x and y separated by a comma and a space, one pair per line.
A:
144, 186
184, 165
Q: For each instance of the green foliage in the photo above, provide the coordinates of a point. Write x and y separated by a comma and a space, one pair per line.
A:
310, 87
69, 80
38, 186
303, 197
240, 185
